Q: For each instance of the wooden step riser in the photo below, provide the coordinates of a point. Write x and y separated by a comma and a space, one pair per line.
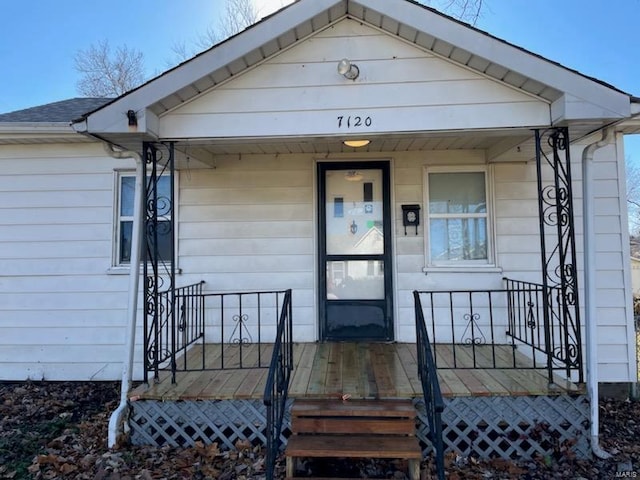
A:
362, 408
355, 429
350, 425
354, 446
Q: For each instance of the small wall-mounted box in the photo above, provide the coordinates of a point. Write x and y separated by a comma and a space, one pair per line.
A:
410, 216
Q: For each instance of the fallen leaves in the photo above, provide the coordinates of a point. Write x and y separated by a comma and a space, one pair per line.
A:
59, 465
58, 431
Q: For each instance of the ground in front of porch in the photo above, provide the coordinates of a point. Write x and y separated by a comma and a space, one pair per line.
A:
505, 412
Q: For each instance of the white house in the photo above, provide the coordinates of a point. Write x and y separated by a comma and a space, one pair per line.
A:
268, 195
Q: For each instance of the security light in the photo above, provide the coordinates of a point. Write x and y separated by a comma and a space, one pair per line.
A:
348, 70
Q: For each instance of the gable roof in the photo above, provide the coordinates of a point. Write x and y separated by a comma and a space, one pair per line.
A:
63, 111
573, 97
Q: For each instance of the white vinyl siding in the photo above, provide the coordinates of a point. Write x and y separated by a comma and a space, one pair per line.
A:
61, 316
249, 225
412, 269
614, 298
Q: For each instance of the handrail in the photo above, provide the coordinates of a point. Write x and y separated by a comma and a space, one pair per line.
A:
433, 401
277, 388
477, 326
551, 331
179, 323
235, 329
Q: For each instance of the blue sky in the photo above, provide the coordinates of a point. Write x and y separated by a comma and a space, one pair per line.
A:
39, 38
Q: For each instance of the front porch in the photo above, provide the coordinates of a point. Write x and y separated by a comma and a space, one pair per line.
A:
503, 411
492, 373
475, 393
356, 371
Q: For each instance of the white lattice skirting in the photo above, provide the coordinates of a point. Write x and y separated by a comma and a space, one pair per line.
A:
512, 427
182, 423
505, 427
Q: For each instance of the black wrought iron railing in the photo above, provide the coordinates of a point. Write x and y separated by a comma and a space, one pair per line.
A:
540, 320
233, 330
179, 323
433, 401
492, 328
277, 387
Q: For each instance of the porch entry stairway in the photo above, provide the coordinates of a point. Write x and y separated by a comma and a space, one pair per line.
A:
353, 429
371, 428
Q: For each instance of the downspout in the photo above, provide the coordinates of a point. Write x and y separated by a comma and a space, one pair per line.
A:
590, 289
116, 418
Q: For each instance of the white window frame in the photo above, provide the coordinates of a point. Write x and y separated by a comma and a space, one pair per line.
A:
489, 262
116, 265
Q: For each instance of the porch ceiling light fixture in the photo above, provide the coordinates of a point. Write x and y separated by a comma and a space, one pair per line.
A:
357, 143
353, 176
348, 70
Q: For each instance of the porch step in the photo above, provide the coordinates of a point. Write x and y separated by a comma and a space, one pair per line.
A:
354, 429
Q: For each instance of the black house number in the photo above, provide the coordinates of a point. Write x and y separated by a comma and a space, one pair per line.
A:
353, 121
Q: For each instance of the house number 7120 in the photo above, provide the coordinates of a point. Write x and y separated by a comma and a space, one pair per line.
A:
352, 121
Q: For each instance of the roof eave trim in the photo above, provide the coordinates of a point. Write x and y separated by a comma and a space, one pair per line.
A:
36, 127
502, 53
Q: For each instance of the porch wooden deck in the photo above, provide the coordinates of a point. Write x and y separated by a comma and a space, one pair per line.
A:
360, 370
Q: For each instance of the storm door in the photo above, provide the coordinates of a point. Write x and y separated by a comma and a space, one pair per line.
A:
355, 251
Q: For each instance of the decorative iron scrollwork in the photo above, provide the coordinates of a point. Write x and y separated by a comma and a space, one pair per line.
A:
473, 333
237, 336
557, 242
531, 316
182, 324
159, 270
566, 355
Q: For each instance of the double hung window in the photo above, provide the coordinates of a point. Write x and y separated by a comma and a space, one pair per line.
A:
457, 217
126, 183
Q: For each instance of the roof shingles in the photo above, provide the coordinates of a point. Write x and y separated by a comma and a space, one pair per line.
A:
57, 112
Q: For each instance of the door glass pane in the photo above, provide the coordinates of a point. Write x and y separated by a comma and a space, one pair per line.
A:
459, 192
355, 279
458, 239
354, 212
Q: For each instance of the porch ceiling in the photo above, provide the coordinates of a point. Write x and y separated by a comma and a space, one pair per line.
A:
499, 145
493, 142
510, 145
